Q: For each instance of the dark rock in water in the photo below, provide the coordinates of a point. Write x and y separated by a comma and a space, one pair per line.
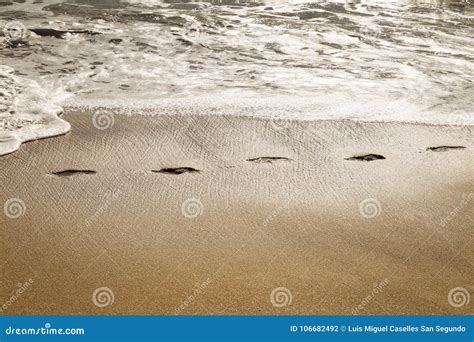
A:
47, 32
444, 148
176, 170
5, 3
116, 41
268, 160
366, 157
104, 10
71, 172
268, 8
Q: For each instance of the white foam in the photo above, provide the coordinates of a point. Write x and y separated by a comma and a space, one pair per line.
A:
336, 106
29, 110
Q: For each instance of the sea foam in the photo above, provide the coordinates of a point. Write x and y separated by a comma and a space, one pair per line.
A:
28, 111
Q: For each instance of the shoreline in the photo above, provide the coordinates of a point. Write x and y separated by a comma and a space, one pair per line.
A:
244, 206
55, 125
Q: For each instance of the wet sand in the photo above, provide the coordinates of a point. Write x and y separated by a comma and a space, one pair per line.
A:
209, 215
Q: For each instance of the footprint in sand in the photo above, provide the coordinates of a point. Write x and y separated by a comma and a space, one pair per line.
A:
366, 157
72, 172
176, 170
444, 148
267, 160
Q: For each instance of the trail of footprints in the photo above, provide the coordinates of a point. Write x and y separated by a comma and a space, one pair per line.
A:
259, 160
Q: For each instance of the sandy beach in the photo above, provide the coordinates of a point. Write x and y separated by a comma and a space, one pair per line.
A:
210, 215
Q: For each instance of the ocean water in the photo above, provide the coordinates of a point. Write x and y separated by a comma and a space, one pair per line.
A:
410, 61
